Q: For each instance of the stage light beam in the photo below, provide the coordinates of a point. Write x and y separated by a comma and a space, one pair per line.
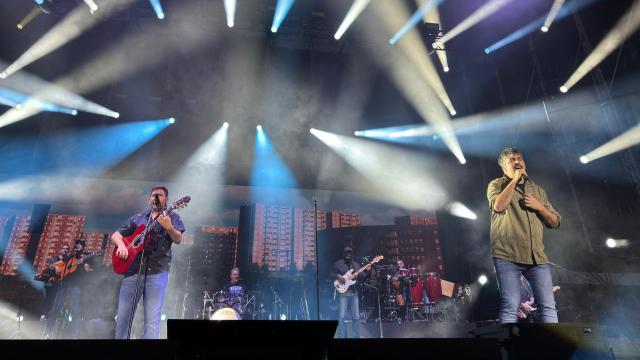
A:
621, 142
357, 7
396, 176
157, 8
30, 16
93, 7
570, 8
555, 8
425, 8
624, 28
72, 26
282, 9
230, 11
482, 13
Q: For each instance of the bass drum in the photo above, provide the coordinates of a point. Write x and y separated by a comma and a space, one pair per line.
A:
225, 313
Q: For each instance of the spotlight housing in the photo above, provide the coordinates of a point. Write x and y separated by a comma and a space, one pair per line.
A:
563, 89
225, 125
584, 159
259, 127
544, 29
172, 120
611, 243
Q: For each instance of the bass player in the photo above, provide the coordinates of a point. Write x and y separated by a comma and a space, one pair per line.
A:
350, 296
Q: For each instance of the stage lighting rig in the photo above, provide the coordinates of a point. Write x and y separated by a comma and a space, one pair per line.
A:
432, 33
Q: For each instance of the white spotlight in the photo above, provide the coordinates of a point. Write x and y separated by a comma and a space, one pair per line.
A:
172, 120
482, 279
259, 127
225, 125
116, 115
446, 69
563, 89
611, 243
3, 75
453, 113
163, 317
584, 159
74, 112
274, 29
460, 210
544, 29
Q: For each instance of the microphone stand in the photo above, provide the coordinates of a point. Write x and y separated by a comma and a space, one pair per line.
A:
379, 313
315, 225
142, 254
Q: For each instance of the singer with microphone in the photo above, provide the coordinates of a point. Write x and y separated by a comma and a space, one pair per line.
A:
153, 266
520, 210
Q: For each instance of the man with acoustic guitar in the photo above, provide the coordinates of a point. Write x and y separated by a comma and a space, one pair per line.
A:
155, 266
66, 276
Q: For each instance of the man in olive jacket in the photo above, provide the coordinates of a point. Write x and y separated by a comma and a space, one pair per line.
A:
520, 209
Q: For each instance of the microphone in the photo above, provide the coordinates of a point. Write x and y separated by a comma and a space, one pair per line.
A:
157, 200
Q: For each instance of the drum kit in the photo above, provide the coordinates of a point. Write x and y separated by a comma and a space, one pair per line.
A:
223, 306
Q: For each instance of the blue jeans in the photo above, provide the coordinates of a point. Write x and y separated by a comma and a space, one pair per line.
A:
539, 276
56, 313
344, 301
153, 295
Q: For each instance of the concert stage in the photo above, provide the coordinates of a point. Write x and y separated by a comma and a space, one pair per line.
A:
190, 339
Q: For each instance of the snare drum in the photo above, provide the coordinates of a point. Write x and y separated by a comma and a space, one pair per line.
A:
433, 287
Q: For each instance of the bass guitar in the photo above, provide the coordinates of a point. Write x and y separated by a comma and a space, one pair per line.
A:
350, 276
135, 242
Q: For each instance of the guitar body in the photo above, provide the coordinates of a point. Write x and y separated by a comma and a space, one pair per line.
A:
71, 266
134, 244
350, 276
348, 281
62, 269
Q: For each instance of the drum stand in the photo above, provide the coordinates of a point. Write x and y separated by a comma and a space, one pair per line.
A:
251, 301
206, 299
277, 301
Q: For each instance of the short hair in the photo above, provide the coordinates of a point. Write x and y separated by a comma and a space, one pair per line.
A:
164, 188
80, 241
506, 154
234, 269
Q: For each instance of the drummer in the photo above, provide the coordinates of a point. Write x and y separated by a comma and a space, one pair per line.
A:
400, 283
401, 270
234, 288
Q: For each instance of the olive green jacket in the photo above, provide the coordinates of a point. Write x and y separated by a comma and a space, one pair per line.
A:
516, 233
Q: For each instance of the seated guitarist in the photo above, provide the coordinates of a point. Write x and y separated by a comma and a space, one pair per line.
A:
68, 288
350, 297
155, 267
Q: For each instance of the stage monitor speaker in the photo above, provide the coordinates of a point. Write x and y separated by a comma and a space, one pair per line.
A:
289, 339
550, 341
